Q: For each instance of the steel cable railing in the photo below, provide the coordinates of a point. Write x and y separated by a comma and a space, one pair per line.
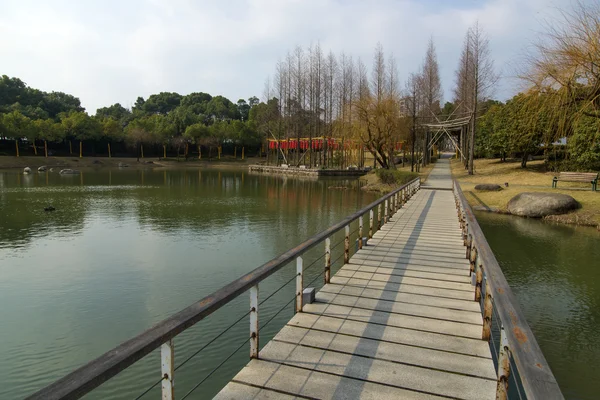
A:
98, 371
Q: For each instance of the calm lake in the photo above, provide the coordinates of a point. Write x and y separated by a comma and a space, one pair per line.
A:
554, 270
127, 248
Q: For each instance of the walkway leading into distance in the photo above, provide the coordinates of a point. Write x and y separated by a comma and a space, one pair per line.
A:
398, 321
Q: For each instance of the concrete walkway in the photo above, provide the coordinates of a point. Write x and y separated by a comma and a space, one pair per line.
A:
398, 321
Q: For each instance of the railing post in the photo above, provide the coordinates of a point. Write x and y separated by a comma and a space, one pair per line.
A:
472, 256
254, 321
478, 280
469, 242
360, 232
347, 244
487, 312
327, 276
379, 216
299, 284
167, 369
371, 224
503, 367
386, 218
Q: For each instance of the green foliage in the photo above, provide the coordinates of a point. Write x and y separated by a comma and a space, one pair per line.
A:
164, 118
394, 176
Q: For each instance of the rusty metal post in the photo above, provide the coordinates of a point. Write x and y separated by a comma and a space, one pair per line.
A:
503, 367
472, 258
370, 223
379, 216
167, 369
327, 276
299, 284
487, 312
386, 217
347, 244
478, 279
254, 321
360, 232
469, 242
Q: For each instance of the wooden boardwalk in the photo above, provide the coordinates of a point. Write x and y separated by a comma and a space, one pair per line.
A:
398, 321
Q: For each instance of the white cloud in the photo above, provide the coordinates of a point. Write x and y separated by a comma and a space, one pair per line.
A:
107, 52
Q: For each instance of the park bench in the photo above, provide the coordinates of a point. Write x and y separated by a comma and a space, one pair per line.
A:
589, 177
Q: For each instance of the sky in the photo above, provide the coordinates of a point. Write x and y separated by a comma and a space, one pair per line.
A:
109, 51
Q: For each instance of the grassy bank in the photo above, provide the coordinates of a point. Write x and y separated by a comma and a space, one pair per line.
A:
10, 162
534, 178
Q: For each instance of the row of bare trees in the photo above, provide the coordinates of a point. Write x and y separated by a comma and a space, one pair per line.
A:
475, 81
314, 94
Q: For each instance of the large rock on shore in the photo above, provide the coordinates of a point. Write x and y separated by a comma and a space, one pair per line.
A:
538, 204
488, 187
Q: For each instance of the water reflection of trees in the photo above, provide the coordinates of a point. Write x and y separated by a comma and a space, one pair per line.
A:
171, 201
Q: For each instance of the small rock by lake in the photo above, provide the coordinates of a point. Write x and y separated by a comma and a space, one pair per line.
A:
539, 204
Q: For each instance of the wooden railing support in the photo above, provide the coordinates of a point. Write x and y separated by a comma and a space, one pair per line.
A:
299, 284
379, 216
254, 322
360, 232
478, 280
327, 275
487, 312
347, 244
386, 217
167, 369
371, 224
503, 367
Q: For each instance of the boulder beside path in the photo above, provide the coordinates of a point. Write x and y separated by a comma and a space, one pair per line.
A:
539, 204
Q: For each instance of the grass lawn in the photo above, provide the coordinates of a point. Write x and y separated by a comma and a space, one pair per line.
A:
534, 178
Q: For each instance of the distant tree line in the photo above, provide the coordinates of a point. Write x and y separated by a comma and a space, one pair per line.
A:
164, 121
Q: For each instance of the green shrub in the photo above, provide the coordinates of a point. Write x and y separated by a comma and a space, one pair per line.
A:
394, 177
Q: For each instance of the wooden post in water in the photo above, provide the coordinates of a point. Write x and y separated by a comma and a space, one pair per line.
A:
17, 146
235, 152
80, 149
254, 322
199, 152
109, 153
34, 148
327, 275
242, 153
142, 150
167, 369
70, 147
164, 151
46, 148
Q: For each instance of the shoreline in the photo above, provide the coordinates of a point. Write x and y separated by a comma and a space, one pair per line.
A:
532, 179
11, 163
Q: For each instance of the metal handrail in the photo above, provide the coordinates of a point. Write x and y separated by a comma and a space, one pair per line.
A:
517, 342
86, 378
